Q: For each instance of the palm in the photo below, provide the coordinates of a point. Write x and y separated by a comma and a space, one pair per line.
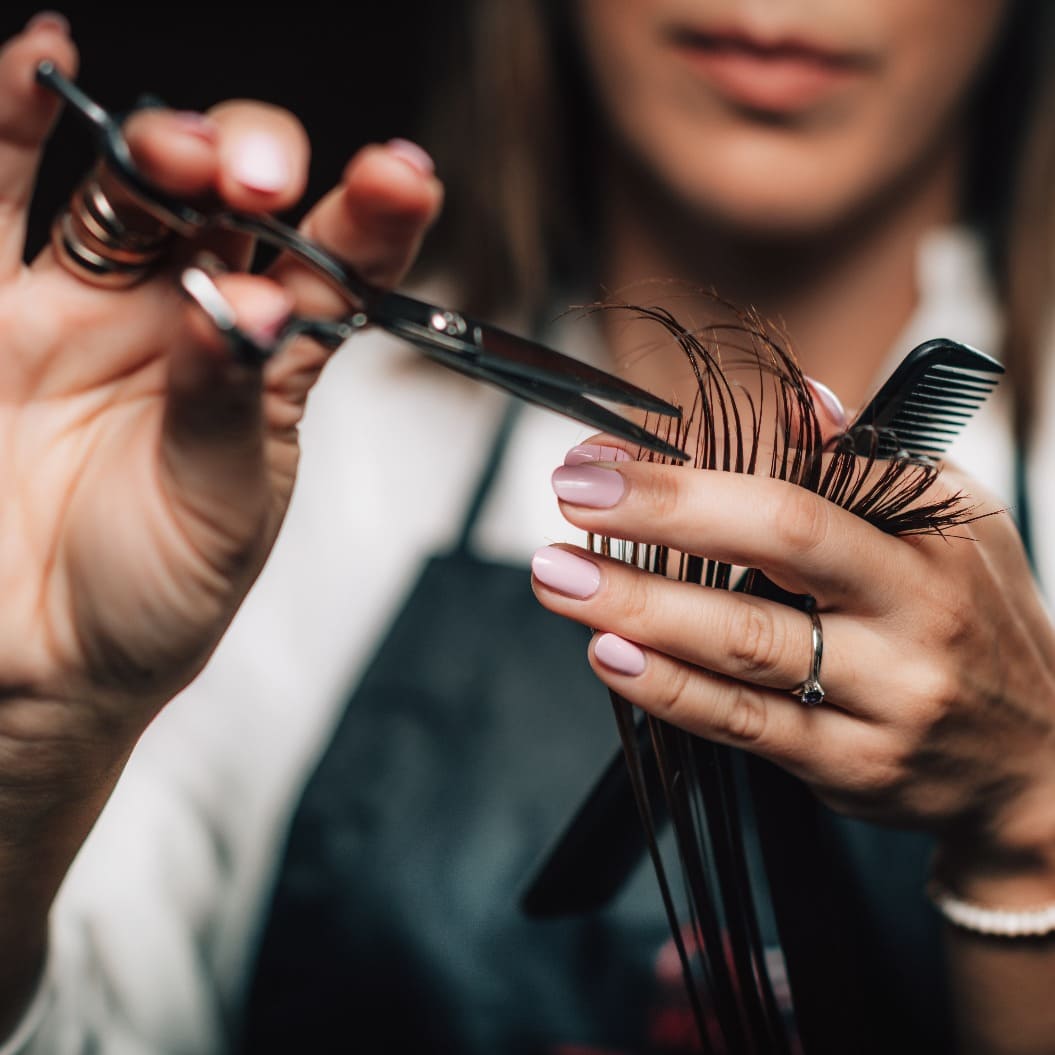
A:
93, 509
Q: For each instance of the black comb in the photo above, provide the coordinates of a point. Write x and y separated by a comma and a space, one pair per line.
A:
919, 410
926, 401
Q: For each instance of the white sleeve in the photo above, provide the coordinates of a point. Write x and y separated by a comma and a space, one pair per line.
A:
129, 969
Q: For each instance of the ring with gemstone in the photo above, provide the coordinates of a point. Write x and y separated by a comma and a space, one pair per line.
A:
810, 692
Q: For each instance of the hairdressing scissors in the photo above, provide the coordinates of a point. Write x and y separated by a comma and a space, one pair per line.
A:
523, 368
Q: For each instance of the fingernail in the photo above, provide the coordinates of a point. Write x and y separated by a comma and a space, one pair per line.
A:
196, 124
51, 19
210, 263
593, 452
259, 163
588, 485
619, 655
417, 157
565, 572
829, 402
268, 319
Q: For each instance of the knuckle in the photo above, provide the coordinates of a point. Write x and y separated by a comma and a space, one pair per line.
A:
799, 520
878, 771
887, 773
753, 641
953, 623
744, 716
660, 492
672, 692
937, 693
634, 599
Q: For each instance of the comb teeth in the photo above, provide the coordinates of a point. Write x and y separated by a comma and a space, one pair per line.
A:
958, 388
955, 412
940, 405
928, 400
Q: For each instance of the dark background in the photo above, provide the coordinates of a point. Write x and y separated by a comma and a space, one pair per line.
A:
353, 73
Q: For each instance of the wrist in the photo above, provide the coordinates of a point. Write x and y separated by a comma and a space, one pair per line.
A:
1009, 863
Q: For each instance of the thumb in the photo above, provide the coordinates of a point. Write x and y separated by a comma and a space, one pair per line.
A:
213, 433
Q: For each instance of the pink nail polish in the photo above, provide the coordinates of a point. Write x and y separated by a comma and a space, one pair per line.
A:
829, 403
588, 485
270, 318
565, 572
195, 124
417, 157
259, 163
51, 19
266, 332
593, 452
619, 655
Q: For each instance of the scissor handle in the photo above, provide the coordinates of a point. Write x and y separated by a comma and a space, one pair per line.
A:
359, 293
182, 218
527, 369
185, 219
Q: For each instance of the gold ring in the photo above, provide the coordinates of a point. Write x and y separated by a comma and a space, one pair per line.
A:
104, 238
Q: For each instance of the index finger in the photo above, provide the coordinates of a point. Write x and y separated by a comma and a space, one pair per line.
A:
803, 542
375, 220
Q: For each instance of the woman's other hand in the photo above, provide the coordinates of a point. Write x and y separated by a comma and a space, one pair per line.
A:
146, 472
938, 663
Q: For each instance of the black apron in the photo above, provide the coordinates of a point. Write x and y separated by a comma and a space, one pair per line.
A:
395, 924
476, 730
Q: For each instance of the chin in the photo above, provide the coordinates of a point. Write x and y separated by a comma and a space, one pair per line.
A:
768, 190
768, 213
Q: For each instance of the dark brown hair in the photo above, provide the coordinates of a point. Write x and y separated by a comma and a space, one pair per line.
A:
510, 128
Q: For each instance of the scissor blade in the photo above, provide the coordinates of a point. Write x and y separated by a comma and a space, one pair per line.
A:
580, 408
529, 360
570, 404
508, 353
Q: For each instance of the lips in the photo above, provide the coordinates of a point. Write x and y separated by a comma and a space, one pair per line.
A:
780, 77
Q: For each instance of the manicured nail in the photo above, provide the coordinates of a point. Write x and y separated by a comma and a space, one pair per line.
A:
195, 124
619, 655
268, 318
259, 163
829, 402
593, 452
417, 157
51, 19
210, 263
565, 572
588, 485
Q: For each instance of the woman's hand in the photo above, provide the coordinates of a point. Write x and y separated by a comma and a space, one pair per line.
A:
145, 472
939, 658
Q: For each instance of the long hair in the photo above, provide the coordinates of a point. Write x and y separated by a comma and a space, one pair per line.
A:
510, 128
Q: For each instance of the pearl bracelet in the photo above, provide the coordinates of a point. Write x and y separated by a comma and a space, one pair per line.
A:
999, 922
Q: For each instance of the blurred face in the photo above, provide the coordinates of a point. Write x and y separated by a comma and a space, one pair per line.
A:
785, 115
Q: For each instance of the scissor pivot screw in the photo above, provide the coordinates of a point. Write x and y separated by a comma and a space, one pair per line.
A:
448, 322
